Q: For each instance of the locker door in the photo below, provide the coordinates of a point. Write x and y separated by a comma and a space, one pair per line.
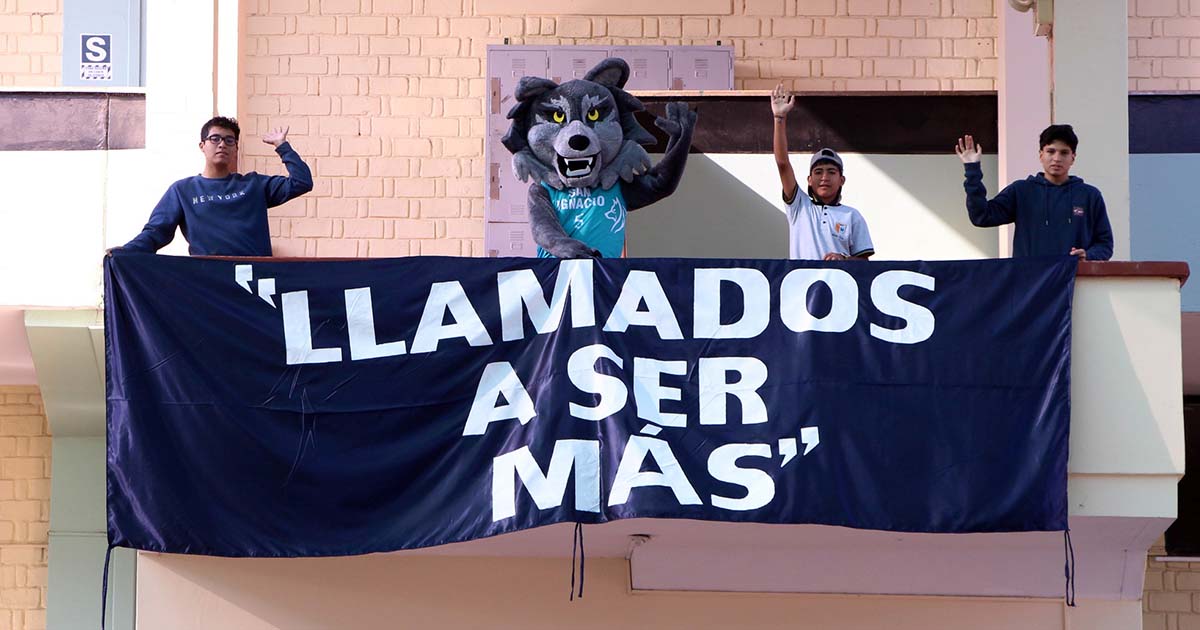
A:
508, 239
649, 67
505, 69
572, 62
706, 68
505, 197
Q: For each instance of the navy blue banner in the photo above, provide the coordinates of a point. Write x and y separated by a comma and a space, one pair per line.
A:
314, 408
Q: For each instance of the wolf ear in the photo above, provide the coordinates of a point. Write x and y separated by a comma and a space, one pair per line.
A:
532, 87
612, 72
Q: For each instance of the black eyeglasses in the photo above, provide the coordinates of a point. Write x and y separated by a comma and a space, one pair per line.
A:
218, 139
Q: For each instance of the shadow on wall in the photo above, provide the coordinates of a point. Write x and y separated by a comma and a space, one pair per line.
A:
730, 206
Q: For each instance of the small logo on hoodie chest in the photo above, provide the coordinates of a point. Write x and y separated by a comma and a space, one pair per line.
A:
1077, 211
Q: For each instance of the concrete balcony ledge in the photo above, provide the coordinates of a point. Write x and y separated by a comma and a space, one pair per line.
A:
1126, 456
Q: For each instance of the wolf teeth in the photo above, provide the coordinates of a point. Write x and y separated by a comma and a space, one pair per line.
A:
575, 167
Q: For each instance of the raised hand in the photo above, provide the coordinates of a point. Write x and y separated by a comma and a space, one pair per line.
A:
781, 101
678, 119
276, 136
967, 150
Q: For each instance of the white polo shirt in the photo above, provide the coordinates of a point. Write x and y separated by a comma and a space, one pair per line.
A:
815, 229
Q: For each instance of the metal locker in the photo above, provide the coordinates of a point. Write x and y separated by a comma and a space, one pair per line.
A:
573, 62
505, 68
701, 68
502, 240
506, 198
649, 67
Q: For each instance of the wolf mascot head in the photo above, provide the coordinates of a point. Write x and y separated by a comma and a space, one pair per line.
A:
580, 138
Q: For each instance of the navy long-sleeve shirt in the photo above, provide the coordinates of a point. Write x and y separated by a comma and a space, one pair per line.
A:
226, 216
1050, 218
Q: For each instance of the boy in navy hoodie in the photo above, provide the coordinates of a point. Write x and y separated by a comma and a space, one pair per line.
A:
220, 211
1055, 212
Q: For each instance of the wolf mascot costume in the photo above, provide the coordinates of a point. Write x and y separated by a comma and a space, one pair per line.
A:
581, 144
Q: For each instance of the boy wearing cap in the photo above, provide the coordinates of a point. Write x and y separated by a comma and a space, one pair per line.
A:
1055, 212
820, 227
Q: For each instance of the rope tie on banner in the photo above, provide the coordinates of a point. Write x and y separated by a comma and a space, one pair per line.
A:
1069, 567
577, 546
104, 586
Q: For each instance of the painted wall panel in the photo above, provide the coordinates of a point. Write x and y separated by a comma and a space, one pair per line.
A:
1165, 213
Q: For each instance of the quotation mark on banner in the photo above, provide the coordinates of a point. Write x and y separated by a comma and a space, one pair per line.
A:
810, 437
244, 274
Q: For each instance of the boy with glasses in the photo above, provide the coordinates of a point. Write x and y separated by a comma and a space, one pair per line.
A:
220, 211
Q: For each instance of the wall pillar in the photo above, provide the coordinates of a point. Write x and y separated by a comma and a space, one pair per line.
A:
1023, 100
1091, 92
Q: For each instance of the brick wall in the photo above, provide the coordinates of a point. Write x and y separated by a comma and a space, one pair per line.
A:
30, 42
1164, 44
384, 97
24, 508
1171, 600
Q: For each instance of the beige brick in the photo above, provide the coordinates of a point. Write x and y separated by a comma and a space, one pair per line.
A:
1181, 67
841, 67
462, 147
768, 48
20, 597
37, 6
439, 208
444, 7
22, 555
336, 45
439, 168
974, 47
868, 7
816, 47
440, 247
973, 8
1170, 602
695, 27
920, 48
1187, 622
338, 248
287, 85
764, 7
946, 68
387, 207
415, 228
312, 228
362, 228
974, 84
22, 468
469, 27
919, 7
411, 147
1181, 27
313, 25
845, 27
413, 187
868, 47
18, 410
791, 26
1156, 8
465, 187
1157, 47
461, 68
287, 45
262, 25
464, 228
37, 44
624, 27
22, 425
414, 25
366, 25
946, 27
1154, 621
328, 208
387, 249
289, 6
740, 27
338, 7
306, 105
362, 187
816, 7
894, 67
429, 86
573, 27
896, 28
383, 45
16, 24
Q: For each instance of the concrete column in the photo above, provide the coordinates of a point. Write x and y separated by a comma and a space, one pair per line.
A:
1023, 95
1091, 92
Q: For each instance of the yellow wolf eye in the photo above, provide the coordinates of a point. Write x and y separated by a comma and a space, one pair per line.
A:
559, 117
593, 114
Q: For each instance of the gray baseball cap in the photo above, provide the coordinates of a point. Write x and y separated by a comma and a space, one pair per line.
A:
826, 155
